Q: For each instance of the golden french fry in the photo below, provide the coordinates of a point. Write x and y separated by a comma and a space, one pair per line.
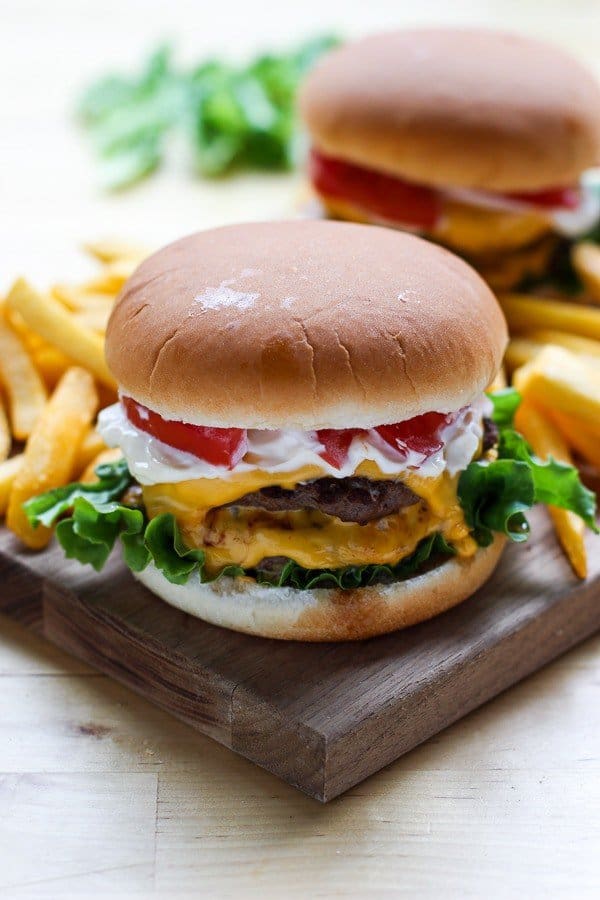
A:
24, 387
525, 313
51, 451
547, 441
78, 298
94, 319
520, 351
8, 472
583, 438
51, 364
541, 433
107, 455
570, 530
5, 435
558, 379
30, 339
112, 278
111, 251
50, 319
586, 346
585, 258
91, 447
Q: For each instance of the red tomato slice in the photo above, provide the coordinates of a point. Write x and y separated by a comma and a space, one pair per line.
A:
551, 198
383, 195
218, 446
336, 442
420, 434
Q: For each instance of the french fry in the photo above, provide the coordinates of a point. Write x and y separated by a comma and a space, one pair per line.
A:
95, 319
112, 278
547, 441
558, 379
524, 313
8, 472
91, 447
111, 251
106, 455
47, 317
90, 452
51, 364
24, 387
585, 258
51, 451
90, 310
5, 435
520, 351
570, 531
583, 438
77, 298
30, 339
574, 342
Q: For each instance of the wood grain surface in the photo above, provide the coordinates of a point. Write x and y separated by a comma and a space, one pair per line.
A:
323, 717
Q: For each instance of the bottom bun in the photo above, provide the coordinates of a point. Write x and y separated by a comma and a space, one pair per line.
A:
327, 614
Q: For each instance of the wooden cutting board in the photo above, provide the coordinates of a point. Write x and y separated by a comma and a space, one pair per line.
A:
321, 716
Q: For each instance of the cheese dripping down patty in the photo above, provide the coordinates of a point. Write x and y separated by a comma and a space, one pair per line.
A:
196, 494
479, 224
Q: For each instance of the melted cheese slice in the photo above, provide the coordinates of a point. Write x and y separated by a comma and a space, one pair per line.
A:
465, 228
314, 540
476, 230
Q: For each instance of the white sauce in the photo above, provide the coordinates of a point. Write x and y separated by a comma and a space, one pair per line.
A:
568, 222
153, 462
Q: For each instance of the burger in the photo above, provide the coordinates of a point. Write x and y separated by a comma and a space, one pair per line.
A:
476, 139
307, 448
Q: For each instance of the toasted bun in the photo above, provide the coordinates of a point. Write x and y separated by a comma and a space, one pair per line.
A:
468, 108
304, 325
327, 614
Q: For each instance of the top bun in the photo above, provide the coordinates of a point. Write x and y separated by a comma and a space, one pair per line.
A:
306, 324
462, 108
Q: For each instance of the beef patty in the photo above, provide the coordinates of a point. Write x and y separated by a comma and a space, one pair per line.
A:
350, 499
354, 499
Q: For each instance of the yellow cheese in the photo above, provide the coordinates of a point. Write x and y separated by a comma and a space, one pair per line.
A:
477, 230
468, 229
311, 538
508, 269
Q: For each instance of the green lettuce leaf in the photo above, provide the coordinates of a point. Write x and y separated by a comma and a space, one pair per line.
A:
92, 530
555, 483
496, 494
113, 480
505, 402
293, 575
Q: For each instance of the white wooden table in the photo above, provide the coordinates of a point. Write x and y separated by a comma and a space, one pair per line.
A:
100, 793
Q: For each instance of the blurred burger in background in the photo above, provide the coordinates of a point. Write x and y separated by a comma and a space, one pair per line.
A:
479, 140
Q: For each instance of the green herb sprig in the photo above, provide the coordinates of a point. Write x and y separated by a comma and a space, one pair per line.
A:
234, 117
